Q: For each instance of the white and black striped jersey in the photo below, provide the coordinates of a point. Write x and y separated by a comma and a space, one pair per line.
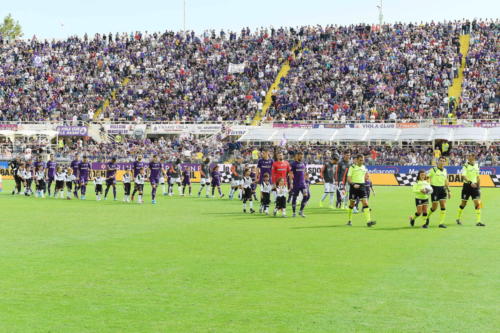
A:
27, 174
281, 191
266, 187
60, 176
99, 180
40, 175
139, 179
126, 178
70, 178
247, 182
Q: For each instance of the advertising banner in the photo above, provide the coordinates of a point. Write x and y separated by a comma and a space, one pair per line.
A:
8, 127
125, 129
206, 129
72, 130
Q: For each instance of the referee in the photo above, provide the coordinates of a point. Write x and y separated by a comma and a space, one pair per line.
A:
470, 189
440, 191
356, 177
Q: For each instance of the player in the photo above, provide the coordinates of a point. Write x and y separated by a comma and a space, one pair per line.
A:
175, 178
164, 176
111, 168
264, 166
139, 184
342, 185
265, 194
298, 176
471, 189
440, 191
50, 172
70, 181
247, 182
28, 180
237, 170
279, 170
421, 189
126, 179
186, 180
253, 175
356, 177
205, 177
281, 194
14, 167
215, 175
84, 173
75, 165
40, 181
137, 166
154, 176
21, 169
328, 172
60, 178
99, 181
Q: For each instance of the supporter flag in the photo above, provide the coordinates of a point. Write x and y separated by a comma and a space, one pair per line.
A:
236, 68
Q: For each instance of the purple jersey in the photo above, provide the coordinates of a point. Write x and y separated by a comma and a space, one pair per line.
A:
186, 177
215, 178
75, 166
111, 170
265, 166
39, 164
299, 174
51, 169
137, 166
84, 170
155, 170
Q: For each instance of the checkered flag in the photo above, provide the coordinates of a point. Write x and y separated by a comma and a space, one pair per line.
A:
406, 179
496, 180
225, 177
314, 178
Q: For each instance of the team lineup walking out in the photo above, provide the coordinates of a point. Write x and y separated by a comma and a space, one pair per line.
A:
279, 182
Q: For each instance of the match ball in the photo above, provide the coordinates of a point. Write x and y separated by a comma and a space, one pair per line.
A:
428, 189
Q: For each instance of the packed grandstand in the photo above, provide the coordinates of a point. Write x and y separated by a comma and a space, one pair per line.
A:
188, 96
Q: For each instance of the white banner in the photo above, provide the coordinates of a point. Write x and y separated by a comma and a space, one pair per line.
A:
204, 129
238, 130
125, 129
375, 125
236, 68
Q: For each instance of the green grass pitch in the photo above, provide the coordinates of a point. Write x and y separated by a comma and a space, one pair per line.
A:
201, 265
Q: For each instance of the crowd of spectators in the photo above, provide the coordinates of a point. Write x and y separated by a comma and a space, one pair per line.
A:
195, 151
399, 71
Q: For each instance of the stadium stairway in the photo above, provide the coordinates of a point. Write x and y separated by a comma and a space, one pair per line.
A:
455, 90
106, 103
283, 72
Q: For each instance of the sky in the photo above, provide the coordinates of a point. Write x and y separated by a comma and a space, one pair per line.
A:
62, 18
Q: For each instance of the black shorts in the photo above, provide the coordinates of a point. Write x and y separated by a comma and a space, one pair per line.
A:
139, 187
40, 185
420, 202
469, 192
247, 193
59, 185
280, 202
126, 187
438, 193
357, 193
98, 188
69, 185
265, 199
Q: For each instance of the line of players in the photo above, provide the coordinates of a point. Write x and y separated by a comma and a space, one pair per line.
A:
72, 181
277, 179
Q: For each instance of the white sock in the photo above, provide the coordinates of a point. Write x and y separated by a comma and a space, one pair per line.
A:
208, 190
139, 198
324, 196
62, 194
164, 188
331, 199
231, 192
180, 189
244, 206
240, 193
251, 204
284, 212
